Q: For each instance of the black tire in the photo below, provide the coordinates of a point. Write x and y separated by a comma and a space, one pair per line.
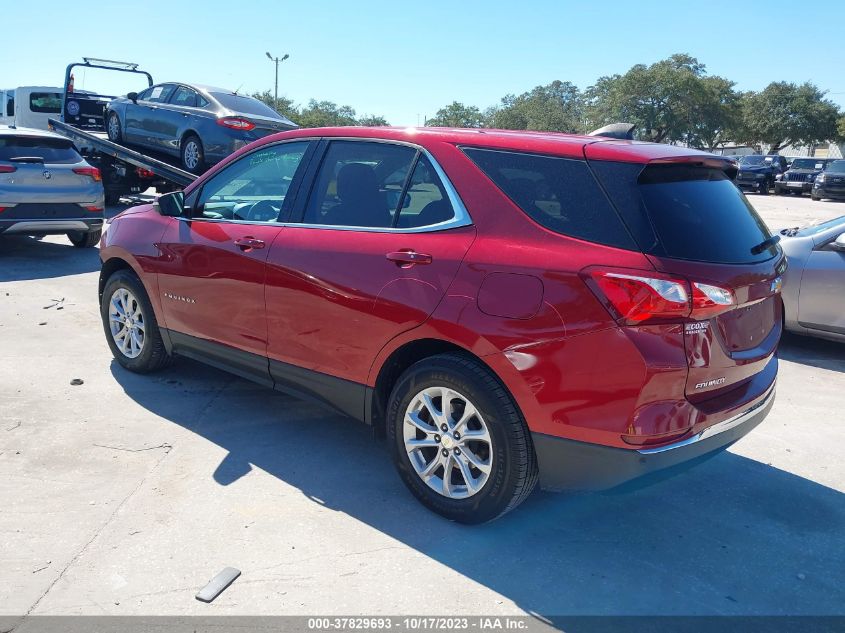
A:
85, 239
764, 188
113, 128
779, 191
514, 471
814, 197
190, 144
153, 354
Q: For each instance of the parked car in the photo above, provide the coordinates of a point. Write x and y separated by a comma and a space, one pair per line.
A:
758, 172
831, 182
800, 176
813, 301
499, 304
30, 106
47, 188
199, 124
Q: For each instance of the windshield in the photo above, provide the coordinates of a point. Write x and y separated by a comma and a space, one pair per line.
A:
245, 105
807, 163
50, 102
756, 159
837, 167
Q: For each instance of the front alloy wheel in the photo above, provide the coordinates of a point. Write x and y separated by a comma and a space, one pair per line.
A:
126, 322
447, 442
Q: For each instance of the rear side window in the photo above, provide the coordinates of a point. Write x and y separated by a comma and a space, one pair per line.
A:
47, 149
690, 212
558, 193
47, 102
184, 97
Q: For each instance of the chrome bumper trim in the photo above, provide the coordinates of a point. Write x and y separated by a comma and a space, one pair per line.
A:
715, 429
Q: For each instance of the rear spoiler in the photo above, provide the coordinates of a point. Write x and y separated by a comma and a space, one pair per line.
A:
723, 163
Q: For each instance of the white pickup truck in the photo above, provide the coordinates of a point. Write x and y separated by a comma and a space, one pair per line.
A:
30, 106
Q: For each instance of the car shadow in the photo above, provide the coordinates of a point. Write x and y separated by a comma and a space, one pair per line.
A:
732, 536
816, 352
23, 258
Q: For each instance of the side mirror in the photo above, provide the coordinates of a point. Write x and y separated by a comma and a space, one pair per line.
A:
132, 96
838, 244
171, 204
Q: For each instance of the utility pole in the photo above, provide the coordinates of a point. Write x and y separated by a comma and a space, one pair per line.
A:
277, 60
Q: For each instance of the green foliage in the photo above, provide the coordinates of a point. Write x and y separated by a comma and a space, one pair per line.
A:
318, 113
788, 114
457, 114
841, 128
556, 107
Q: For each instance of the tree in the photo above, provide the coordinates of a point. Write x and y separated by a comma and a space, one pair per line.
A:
326, 114
457, 114
282, 105
556, 107
372, 120
664, 100
788, 114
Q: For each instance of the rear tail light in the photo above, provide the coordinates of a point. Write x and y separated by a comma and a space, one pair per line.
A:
7, 169
636, 297
144, 173
91, 172
93, 208
236, 123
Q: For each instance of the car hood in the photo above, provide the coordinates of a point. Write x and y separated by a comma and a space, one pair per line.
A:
755, 168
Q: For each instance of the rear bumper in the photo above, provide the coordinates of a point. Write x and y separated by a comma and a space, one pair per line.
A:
572, 465
46, 218
49, 227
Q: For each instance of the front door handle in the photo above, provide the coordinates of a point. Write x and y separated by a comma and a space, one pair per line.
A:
249, 243
407, 258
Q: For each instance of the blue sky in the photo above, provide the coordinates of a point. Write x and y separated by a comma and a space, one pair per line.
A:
404, 60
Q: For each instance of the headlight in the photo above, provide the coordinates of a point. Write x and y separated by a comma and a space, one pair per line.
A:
778, 176
820, 178
811, 177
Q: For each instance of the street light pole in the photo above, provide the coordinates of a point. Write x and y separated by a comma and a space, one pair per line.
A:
277, 60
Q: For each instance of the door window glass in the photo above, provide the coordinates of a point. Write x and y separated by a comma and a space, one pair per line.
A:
425, 201
359, 184
254, 187
160, 94
184, 97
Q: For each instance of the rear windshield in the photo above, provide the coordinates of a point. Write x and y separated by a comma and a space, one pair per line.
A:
558, 193
47, 149
48, 102
686, 212
245, 105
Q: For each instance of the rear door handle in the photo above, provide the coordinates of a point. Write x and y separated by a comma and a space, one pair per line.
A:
406, 259
249, 243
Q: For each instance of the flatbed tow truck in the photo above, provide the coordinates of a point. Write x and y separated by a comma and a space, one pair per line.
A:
125, 171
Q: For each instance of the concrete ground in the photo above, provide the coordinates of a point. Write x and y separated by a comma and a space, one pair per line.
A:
127, 493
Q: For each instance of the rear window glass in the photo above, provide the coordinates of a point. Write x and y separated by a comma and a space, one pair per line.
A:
47, 149
48, 102
558, 193
699, 214
245, 105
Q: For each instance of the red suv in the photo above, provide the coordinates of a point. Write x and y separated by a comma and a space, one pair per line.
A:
505, 306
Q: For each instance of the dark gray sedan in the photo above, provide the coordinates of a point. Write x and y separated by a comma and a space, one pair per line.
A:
813, 301
199, 124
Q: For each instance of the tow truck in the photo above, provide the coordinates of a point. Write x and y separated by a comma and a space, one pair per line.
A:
125, 171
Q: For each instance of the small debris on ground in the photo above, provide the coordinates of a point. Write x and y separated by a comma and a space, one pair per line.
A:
56, 302
218, 584
43, 323
14, 426
35, 571
165, 446
77, 381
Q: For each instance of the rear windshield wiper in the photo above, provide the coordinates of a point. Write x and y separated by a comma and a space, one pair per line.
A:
26, 159
774, 239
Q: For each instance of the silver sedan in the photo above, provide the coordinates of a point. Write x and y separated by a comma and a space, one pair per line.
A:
814, 283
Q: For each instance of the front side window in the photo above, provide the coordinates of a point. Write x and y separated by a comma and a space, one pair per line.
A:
184, 97
253, 188
360, 184
160, 94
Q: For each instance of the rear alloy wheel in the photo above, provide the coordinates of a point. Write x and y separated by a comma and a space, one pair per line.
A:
193, 157
130, 324
458, 441
113, 128
87, 239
